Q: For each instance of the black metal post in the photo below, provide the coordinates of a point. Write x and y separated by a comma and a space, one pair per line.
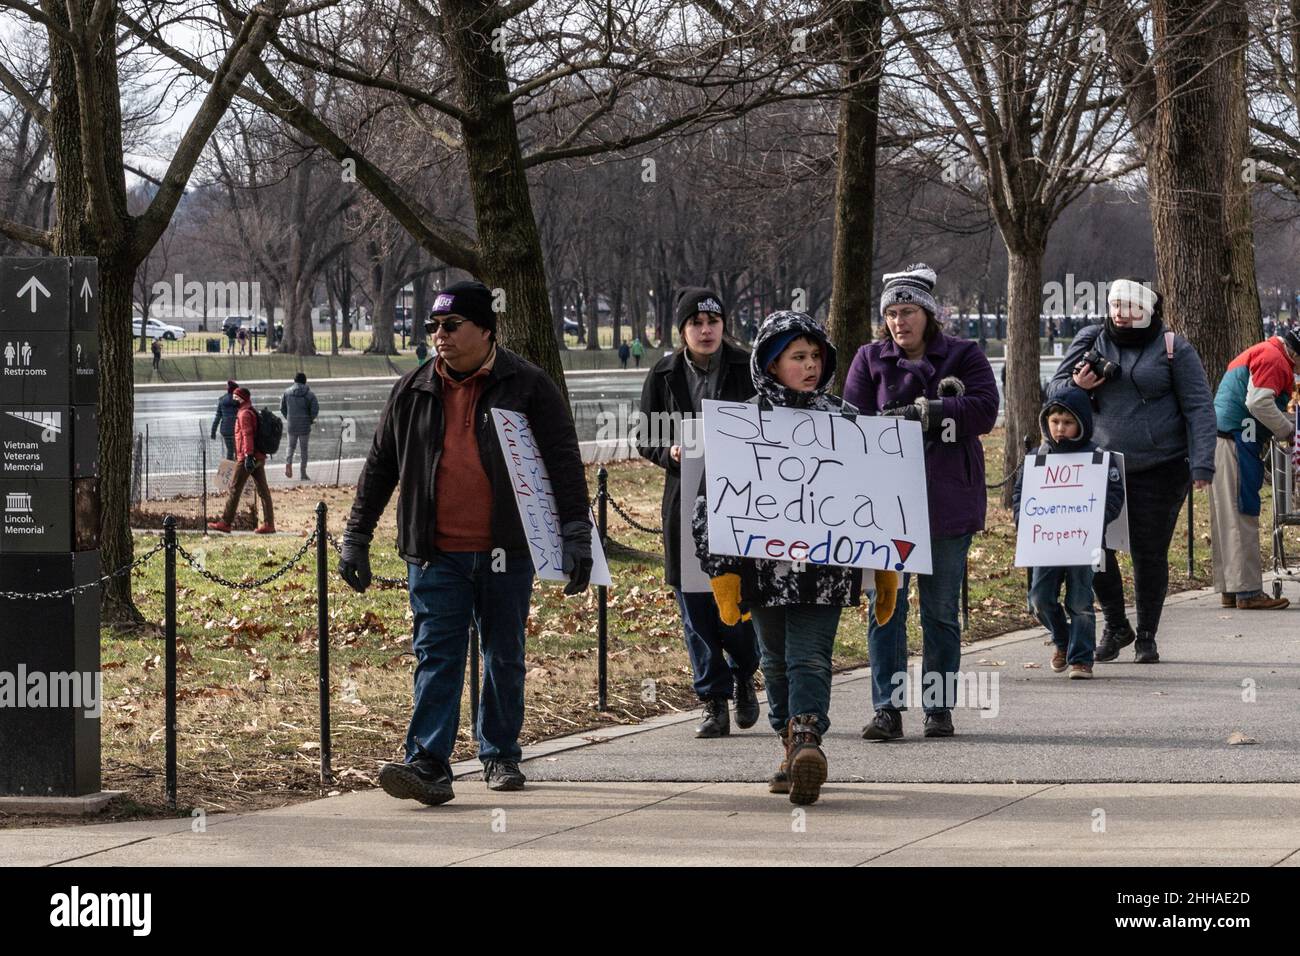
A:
169, 625
146, 461
602, 597
1191, 532
203, 449
323, 640
473, 679
338, 467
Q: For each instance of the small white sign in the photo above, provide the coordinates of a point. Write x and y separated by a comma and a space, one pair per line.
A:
1117, 531
1062, 510
536, 501
694, 580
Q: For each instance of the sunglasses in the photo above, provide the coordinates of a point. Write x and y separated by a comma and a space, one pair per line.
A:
450, 325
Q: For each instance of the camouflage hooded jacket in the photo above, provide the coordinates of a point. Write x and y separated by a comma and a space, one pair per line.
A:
763, 582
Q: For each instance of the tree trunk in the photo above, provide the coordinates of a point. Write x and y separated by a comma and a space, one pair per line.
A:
1200, 205
851, 309
593, 318
511, 249
1022, 400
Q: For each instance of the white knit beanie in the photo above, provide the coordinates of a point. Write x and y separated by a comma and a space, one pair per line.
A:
914, 286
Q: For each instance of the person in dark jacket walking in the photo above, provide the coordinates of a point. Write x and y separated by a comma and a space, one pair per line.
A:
224, 420
1066, 425
724, 658
1151, 403
468, 558
916, 371
299, 406
156, 349
624, 353
252, 463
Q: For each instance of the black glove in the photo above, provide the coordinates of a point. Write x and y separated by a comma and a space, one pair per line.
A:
354, 563
911, 411
951, 387
250, 464
577, 555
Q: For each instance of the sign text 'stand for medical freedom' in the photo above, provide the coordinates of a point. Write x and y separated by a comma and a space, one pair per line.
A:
1062, 510
790, 484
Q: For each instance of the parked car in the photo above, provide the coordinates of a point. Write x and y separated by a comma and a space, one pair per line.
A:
571, 327
157, 329
236, 322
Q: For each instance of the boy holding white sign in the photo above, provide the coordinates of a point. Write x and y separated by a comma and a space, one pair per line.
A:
796, 603
1066, 424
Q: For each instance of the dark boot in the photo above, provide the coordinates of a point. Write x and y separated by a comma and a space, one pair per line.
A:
807, 762
939, 724
1112, 640
426, 779
717, 719
746, 703
779, 782
886, 725
1145, 652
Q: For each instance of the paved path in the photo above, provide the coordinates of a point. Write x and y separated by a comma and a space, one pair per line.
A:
1132, 769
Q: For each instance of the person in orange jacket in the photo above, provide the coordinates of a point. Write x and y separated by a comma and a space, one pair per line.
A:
251, 462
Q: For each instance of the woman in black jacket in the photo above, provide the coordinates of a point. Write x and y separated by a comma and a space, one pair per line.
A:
707, 366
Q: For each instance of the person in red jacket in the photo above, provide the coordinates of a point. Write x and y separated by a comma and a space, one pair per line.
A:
251, 462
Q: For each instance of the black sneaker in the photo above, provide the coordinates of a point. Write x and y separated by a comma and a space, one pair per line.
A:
425, 779
939, 724
746, 703
1112, 640
717, 719
503, 775
1145, 651
886, 725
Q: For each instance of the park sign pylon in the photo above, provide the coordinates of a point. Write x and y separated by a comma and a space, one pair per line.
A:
50, 683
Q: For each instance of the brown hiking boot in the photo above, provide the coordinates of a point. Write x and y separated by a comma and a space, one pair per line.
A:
1261, 602
1228, 599
1080, 672
779, 782
1058, 660
807, 763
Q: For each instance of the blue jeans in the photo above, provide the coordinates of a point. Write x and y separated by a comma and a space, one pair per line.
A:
457, 588
940, 597
797, 640
1079, 636
708, 640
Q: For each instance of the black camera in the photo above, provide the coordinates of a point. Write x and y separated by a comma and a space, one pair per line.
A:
1099, 365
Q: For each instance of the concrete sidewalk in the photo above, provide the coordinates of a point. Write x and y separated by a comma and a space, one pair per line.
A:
1131, 769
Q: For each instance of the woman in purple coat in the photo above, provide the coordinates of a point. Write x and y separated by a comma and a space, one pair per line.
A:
916, 371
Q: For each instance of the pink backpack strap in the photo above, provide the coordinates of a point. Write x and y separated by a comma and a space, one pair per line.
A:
1169, 346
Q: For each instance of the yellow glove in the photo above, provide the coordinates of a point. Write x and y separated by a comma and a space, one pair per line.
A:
886, 595
726, 594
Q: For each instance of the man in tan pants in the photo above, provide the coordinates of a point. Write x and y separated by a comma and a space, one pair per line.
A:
1250, 410
249, 461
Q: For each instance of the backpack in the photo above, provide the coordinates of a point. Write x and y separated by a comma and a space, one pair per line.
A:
269, 431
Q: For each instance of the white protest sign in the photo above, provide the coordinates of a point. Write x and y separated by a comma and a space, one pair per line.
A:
694, 580
1062, 510
536, 501
789, 484
1116, 537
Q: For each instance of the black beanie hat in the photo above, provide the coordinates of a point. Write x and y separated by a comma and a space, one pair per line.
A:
471, 299
301, 378
695, 299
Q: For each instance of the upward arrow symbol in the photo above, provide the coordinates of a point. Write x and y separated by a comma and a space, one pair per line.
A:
33, 285
86, 295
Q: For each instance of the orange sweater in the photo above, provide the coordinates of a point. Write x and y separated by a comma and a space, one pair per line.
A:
462, 492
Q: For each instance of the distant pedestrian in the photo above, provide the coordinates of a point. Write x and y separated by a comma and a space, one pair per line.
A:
299, 406
231, 333
227, 410
637, 351
156, 348
242, 335
624, 352
421, 354
253, 462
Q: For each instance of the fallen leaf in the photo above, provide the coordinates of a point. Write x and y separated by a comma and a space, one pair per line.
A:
1237, 737
988, 663
1030, 665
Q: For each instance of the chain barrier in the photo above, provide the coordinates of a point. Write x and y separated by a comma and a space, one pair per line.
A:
629, 519
1009, 477
197, 565
82, 588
